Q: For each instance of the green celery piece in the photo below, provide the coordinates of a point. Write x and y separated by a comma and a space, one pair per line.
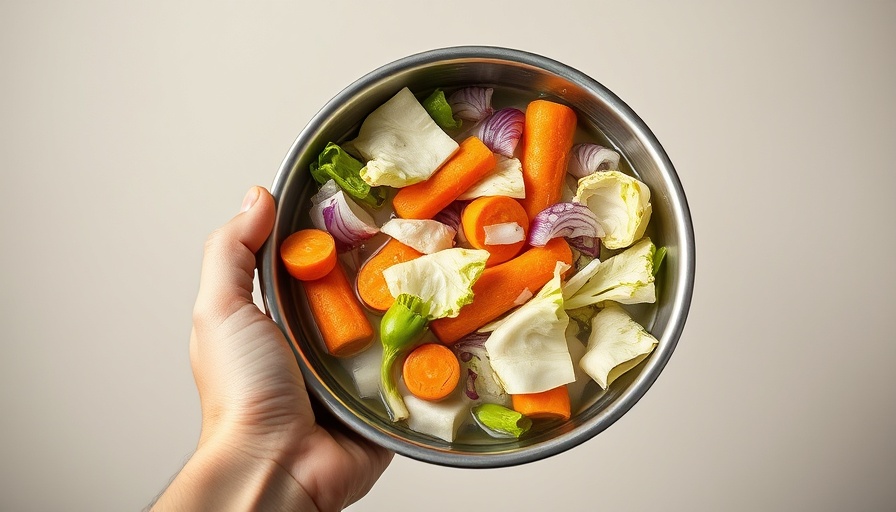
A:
499, 421
334, 163
658, 257
440, 111
401, 327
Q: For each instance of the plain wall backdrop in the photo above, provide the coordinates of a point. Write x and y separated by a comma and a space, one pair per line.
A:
130, 130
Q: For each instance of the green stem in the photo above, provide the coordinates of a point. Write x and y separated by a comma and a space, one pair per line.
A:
402, 325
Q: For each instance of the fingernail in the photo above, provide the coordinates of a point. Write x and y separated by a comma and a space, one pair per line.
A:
250, 199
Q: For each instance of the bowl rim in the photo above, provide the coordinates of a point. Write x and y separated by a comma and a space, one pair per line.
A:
681, 299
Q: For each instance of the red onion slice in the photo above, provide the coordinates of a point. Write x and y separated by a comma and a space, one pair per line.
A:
346, 221
502, 130
472, 103
573, 221
587, 159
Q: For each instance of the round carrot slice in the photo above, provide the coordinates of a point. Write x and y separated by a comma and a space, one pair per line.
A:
485, 213
431, 371
308, 254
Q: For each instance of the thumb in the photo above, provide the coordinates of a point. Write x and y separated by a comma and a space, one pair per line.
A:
228, 264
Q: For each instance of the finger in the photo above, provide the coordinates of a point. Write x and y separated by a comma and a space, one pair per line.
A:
228, 264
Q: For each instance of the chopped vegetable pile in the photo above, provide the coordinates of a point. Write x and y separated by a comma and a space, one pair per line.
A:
454, 267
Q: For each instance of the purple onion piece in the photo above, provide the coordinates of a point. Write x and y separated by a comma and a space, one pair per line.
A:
471, 103
587, 159
348, 225
589, 245
450, 215
502, 130
573, 221
470, 388
475, 340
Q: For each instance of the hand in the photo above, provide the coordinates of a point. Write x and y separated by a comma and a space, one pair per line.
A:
260, 444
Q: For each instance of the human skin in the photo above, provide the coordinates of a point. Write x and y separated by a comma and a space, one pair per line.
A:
261, 445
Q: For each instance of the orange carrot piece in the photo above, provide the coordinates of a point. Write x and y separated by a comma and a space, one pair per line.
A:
431, 371
472, 161
338, 314
488, 211
547, 140
552, 404
308, 254
372, 288
498, 288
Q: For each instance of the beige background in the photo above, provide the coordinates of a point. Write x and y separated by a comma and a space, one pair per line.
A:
129, 131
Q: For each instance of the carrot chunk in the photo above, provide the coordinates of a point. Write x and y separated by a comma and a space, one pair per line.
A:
488, 211
498, 288
338, 314
551, 404
431, 371
308, 254
423, 200
372, 288
547, 140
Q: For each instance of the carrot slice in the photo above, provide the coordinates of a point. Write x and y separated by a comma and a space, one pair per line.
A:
431, 371
308, 254
423, 200
552, 404
547, 140
498, 288
339, 315
488, 211
372, 288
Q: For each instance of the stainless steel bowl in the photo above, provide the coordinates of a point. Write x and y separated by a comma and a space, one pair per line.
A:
601, 112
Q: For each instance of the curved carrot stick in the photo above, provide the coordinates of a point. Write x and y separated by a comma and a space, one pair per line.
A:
498, 288
339, 316
547, 140
423, 200
488, 211
431, 371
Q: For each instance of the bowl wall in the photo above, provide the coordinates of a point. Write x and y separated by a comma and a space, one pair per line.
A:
604, 116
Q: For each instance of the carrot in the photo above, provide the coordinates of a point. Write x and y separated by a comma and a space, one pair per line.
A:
423, 200
308, 254
431, 371
339, 315
372, 288
488, 211
547, 140
552, 404
498, 288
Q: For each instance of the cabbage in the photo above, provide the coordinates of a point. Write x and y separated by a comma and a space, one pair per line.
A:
626, 278
621, 204
443, 280
424, 235
527, 349
401, 142
505, 180
616, 345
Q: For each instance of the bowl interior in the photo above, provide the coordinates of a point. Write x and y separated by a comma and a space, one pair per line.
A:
605, 118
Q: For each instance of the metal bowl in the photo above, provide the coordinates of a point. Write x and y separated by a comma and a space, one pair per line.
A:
600, 112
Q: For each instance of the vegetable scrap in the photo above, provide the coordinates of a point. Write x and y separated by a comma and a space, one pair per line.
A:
494, 260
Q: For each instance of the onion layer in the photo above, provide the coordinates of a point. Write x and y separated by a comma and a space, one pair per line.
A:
502, 130
472, 103
573, 221
587, 159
